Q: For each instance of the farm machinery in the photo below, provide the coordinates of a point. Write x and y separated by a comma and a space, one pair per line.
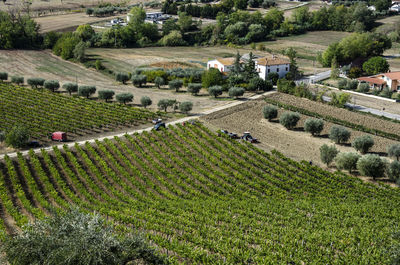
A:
158, 124
247, 137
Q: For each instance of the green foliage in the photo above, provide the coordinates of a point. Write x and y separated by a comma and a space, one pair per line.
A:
194, 88
51, 84
289, 119
273, 77
347, 161
85, 32
363, 88
86, 91
186, 106
258, 84
99, 66
215, 91
394, 151
376, 65
65, 45
314, 126
79, 51
163, 104
106, 94
153, 74
174, 38
122, 77
355, 72
211, 77
236, 92
175, 84
35, 82
50, 39
328, 153
351, 84
339, 134
2, 136
18, 136
386, 93
393, 171
3, 76
270, 112
17, 79
184, 22
286, 86
139, 80
240, 4
159, 81
342, 84
339, 99
124, 97
146, 101
363, 143
71, 87
371, 166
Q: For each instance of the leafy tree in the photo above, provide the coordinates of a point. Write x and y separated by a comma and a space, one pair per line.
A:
215, 91
394, 151
139, 80
292, 54
3, 76
289, 119
2, 136
211, 77
65, 45
51, 84
174, 38
175, 84
270, 112
106, 94
186, 106
146, 101
314, 126
363, 88
122, 77
163, 104
334, 69
18, 136
71, 87
339, 99
236, 92
249, 70
376, 65
363, 143
137, 15
159, 81
393, 171
124, 97
35, 82
328, 153
194, 88
184, 21
86, 91
50, 39
371, 166
339, 134
17, 79
355, 72
85, 32
168, 26
258, 84
273, 77
79, 51
347, 161
240, 4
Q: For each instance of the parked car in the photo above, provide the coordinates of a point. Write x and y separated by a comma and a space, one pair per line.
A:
59, 136
229, 134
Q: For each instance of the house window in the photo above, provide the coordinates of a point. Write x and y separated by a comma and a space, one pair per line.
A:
269, 70
286, 69
277, 70
222, 69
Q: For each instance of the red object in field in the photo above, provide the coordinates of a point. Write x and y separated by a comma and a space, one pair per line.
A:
59, 136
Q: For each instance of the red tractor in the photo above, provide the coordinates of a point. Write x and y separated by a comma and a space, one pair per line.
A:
59, 136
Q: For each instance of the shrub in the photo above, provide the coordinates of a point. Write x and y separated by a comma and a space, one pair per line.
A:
342, 84
393, 171
314, 126
371, 166
363, 88
215, 91
386, 93
339, 99
71, 87
146, 101
273, 77
79, 239
394, 151
194, 88
258, 84
86, 91
139, 80
51, 84
3, 76
351, 84
328, 153
347, 161
106, 94
17, 79
18, 136
363, 143
2, 136
99, 66
270, 112
289, 119
236, 92
159, 81
339, 134
122, 77
186, 106
211, 77
163, 104
175, 84
35, 82
124, 97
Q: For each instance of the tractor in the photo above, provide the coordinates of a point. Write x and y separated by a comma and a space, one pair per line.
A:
229, 134
247, 137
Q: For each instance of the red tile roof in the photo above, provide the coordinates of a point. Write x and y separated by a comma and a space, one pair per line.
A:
393, 75
373, 80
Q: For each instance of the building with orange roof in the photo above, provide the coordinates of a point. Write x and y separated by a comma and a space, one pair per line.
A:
390, 80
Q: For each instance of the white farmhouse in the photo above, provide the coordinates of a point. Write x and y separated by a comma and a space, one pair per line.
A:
272, 64
224, 65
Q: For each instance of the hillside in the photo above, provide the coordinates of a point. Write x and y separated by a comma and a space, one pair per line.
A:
206, 199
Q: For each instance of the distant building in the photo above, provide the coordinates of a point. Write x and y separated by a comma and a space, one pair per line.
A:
224, 65
395, 8
153, 17
380, 81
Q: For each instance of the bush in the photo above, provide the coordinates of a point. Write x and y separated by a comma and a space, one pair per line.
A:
289, 119
175, 84
86, 91
363, 143
236, 92
342, 84
371, 166
363, 88
339, 134
106, 94
339, 99
347, 161
17, 79
393, 171
3, 76
122, 77
314, 126
215, 91
273, 77
76, 238
186, 106
35, 82
2, 136
99, 66
270, 112
146, 101
394, 151
18, 136
328, 153
258, 84
71, 87
211, 77
51, 84
139, 80
386, 93
124, 97
159, 81
351, 84
194, 88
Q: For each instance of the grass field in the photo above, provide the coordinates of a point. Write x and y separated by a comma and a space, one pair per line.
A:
207, 200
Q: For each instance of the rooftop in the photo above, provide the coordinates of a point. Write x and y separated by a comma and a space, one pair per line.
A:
272, 60
372, 80
226, 61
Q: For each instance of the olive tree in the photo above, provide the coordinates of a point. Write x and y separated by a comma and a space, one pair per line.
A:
363, 143
394, 151
3, 76
106, 94
314, 126
270, 112
236, 92
122, 77
124, 97
328, 153
186, 106
163, 104
35, 82
339, 134
52, 85
194, 88
146, 101
393, 171
139, 80
289, 119
371, 166
18, 136
86, 91
71, 87
159, 82
347, 161
17, 79
215, 91
175, 84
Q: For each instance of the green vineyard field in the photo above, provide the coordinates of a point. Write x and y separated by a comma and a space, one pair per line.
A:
45, 112
205, 199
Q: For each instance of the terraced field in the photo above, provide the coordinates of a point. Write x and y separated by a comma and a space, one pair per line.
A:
205, 199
